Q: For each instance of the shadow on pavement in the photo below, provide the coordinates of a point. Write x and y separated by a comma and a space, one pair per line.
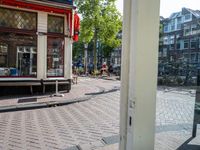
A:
187, 146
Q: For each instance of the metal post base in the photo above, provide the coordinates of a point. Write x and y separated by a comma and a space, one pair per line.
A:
57, 95
194, 130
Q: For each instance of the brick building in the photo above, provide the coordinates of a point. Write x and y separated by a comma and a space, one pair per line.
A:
179, 47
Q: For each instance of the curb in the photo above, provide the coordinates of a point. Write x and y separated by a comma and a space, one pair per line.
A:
42, 104
39, 105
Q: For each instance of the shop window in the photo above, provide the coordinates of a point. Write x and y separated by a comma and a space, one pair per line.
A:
3, 54
55, 57
18, 55
55, 24
18, 19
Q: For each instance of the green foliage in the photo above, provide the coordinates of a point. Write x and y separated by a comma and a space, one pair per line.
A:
100, 21
107, 50
78, 49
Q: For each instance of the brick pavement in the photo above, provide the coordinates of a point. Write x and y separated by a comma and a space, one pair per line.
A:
82, 90
60, 127
83, 125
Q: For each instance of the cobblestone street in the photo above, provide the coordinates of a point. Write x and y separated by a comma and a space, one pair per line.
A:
84, 125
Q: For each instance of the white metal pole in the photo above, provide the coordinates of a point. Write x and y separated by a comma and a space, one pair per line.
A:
57, 94
57, 87
85, 58
139, 66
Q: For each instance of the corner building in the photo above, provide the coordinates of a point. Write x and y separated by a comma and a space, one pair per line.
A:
36, 42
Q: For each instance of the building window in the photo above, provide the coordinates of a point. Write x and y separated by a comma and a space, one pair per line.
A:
171, 46
18, 19
18, 55
172, 24
178, 26
166, 28
193, 57
179, 20
187, 17
160, 54
178, 45
172, 39
186, 57
193, 29
55, 24
193, 43
164, 52
172, 27
55, 57
187, 30
186, 44
178, 36
165, 40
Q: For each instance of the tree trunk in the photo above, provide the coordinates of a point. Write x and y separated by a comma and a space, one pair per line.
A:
85, 58
95, 50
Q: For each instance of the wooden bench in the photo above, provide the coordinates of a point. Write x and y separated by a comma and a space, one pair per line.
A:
41, 83
53, 82
21, 84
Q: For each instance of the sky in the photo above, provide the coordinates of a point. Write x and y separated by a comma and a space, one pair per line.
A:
169, 6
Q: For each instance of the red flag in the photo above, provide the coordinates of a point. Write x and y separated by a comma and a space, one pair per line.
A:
76, 26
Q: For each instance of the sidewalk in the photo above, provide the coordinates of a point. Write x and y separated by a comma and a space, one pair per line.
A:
79, 92
94, 124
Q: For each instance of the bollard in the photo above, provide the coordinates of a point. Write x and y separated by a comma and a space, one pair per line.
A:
57, 94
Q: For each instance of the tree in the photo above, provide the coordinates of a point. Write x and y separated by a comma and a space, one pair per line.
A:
100, 21
78, 48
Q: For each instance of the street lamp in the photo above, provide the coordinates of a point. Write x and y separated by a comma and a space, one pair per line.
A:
85, 57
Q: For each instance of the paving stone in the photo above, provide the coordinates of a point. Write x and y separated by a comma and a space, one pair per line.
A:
111, 140
86, 123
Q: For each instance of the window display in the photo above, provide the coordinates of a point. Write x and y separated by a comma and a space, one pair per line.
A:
19, 55
55, 57
18, 50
